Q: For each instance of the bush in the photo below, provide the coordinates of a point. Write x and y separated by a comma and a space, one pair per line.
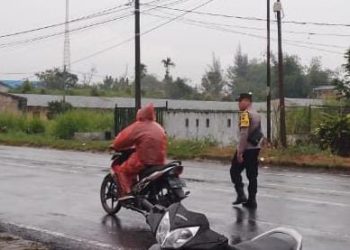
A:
65, 125
334, 133
298, 121
36, 126
13, 122
57, 107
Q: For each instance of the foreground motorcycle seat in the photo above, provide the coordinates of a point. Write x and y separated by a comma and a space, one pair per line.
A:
151, 169
275, 242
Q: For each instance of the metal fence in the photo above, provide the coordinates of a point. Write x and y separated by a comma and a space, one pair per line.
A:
124, 116
304, 120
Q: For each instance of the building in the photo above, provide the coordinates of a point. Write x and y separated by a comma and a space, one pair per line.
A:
12, 103
183, 119
324, 92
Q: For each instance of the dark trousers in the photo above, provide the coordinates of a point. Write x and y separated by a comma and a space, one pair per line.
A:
250, 164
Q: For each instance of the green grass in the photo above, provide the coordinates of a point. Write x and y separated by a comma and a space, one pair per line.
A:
83, 91
291, 151
188, 149
23, 139
65, 125
181, 149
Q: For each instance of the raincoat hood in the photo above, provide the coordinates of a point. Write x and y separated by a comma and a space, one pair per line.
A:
146, 113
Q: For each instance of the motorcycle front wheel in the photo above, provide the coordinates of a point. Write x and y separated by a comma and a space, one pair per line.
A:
109, 195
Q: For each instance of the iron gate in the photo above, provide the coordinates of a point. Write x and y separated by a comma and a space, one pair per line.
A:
124, 116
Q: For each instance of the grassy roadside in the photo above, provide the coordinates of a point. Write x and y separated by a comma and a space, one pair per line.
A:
301, 156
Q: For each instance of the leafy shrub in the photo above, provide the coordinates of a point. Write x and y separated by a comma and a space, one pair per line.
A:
65, 125
57, 107
13, 122
334, 133
36, 126
297, 121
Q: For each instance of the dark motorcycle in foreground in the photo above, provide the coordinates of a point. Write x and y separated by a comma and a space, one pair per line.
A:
159, 185
178, 228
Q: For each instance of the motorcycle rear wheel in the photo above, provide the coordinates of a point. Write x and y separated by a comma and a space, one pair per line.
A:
109, 195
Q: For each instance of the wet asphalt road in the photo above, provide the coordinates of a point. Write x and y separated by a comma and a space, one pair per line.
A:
56, 193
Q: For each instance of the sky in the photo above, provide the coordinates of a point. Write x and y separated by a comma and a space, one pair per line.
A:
189, 40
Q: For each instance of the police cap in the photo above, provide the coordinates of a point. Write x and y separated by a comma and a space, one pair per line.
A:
248, 96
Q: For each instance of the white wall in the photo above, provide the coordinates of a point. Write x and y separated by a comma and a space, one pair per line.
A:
218, 130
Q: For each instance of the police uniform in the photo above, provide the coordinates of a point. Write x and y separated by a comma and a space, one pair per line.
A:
249, 124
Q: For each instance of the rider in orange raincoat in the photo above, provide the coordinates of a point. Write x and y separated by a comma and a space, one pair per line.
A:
149, 139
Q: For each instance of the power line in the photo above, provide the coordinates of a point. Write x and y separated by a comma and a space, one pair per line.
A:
30, 40
91, 16
289, 42
144, 33
309, 33
250, 18
19, 42
216, 25
104, 12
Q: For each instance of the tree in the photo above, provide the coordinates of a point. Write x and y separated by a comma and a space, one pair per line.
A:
57, 79
213, 80
179, 89
57, 107
238, 71
343, 85
295, 82
26, 86
168, 63
87, 77
253, 80
143, 68
108, 82
315, 74
152, 87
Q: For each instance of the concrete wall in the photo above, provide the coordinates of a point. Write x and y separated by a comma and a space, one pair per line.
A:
9, 104
219, 130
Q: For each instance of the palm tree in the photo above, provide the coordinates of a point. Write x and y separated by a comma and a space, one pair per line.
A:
167, 64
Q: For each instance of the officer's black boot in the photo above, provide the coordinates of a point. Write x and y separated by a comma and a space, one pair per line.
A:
251, 202
241, 197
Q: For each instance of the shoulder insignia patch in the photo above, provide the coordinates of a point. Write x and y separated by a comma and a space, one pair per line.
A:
244, 121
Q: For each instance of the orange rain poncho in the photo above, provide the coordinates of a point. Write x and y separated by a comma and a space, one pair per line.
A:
150, 142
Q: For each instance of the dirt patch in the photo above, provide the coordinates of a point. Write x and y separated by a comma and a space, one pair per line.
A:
11, 242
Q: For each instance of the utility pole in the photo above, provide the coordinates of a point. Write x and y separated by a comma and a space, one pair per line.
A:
268, 63
64, 83
137, 56
283, 135
66, 52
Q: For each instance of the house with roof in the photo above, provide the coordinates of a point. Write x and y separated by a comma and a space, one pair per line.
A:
12, 103
324, 92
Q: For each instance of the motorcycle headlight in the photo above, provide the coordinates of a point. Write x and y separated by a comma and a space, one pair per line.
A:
176, 238
179, 237
163, 228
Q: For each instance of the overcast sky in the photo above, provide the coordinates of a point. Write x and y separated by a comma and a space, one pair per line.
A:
191, 47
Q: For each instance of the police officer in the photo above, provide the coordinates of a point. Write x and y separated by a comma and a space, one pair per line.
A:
248, 149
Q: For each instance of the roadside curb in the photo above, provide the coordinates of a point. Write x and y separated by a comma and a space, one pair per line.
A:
281, 164
53, 240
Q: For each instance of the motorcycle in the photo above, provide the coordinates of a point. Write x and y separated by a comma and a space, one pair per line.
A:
178, 228
159, 185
